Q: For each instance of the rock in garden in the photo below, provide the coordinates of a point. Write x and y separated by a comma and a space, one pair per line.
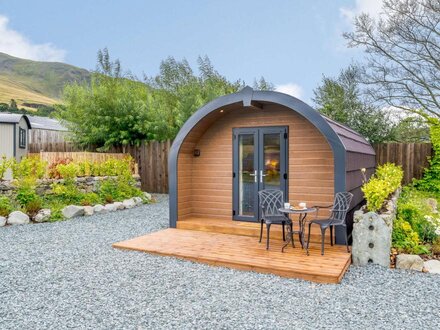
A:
119, 205
88, 210
432, 266
137, 200
129, 203
2, 221
409, 261
147, 196
110, 207
43, 215
73, 211
18, 218
98, 208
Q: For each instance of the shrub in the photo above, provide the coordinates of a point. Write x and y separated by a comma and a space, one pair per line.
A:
431, 177
26, 191
53, 172
32, 207
5, 206
381, 185
118, 189
90, 199
405, 239
413, 207
436, 247
5, 164
28, 167
68, 171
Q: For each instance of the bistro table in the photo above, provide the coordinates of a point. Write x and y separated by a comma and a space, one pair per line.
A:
302, 214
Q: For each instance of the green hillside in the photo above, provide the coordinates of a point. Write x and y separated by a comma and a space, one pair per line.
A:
35, 82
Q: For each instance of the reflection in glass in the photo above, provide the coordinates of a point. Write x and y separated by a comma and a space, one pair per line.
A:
246, 151
272, 161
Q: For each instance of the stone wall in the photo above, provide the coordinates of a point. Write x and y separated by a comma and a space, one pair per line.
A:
84, 184
372, 234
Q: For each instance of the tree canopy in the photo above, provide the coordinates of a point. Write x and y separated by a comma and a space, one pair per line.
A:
403, 55
116, 108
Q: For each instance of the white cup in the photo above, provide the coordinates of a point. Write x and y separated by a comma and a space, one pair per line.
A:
302, 205
287, 205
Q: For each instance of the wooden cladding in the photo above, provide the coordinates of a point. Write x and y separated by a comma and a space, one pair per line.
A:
205, 182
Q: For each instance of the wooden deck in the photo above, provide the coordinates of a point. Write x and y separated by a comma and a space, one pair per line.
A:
243, 228
245, 253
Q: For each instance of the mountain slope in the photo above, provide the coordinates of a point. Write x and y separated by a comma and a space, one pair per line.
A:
35, 82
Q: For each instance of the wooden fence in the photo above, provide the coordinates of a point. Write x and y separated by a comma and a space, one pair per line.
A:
81, 156
413, 157
152, 159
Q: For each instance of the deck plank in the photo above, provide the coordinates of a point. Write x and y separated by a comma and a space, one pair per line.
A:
244, 253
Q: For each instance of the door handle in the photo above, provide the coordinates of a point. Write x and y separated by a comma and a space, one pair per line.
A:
254, 175
261, 176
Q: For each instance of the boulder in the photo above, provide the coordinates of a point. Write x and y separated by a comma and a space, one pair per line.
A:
110, 207
119, 205
2, 221
147, 196
18, 218
88, 210
43, 215
72, 211
432, 266
371, 239
129, 203
138, 200
98, 208
409, 261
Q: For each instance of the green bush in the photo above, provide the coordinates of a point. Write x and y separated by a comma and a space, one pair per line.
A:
405, 239
381, 185
28, 167
118, 189
5, 164
5, 206
68, 171
32, 207
90, 199
431, 177
25, 192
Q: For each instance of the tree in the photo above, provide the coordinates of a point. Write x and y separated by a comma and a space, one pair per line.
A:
111, 110
340, 99
403, 54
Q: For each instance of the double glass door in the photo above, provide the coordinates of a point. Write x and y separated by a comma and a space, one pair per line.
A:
260, 162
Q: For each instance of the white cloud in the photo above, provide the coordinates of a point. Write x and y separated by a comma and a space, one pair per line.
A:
15, 44
371, 7
291, 89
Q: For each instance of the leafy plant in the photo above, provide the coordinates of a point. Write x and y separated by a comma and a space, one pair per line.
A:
28, 167
381, 185
5, 206
5, 164
90, 199
33, 206
26, 191
431, 177
68, 171
53, 172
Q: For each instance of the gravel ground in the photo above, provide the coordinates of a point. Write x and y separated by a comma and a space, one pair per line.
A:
67, 275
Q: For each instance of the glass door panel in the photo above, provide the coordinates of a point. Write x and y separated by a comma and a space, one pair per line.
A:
247, 174
271, 167
260, 162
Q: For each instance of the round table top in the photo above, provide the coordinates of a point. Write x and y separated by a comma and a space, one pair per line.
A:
296, 211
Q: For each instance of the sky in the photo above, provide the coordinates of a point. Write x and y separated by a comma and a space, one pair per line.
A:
292, 43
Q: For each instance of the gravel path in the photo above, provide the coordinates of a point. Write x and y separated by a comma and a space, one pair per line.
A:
66, 275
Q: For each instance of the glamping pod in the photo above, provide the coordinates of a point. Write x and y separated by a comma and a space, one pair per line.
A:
241, 143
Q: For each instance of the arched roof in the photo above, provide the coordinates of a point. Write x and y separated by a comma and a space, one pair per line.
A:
13, 118
340, 138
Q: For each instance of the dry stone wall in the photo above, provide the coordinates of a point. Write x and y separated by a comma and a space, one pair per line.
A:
44, 186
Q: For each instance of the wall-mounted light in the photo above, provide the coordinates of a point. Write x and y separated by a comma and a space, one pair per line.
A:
221, 111
196, 153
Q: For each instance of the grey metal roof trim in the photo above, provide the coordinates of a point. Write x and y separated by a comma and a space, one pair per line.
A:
13, 118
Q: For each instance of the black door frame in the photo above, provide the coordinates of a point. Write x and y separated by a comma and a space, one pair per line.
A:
259, 132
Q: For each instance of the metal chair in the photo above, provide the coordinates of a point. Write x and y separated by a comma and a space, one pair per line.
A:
270, 201
338, 217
